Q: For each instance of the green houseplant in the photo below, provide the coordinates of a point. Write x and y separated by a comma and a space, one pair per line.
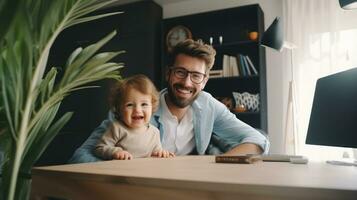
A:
29, 97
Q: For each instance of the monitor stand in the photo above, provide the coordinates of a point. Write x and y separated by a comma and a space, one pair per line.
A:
345, 162
342, 163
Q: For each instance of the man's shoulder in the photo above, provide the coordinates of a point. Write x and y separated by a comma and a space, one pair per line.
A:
205, 95
206, 102
205, 98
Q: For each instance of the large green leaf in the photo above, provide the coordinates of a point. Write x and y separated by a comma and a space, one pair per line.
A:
8, 9
79, 58
39, 146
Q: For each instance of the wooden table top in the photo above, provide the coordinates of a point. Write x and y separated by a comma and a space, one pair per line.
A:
188, 171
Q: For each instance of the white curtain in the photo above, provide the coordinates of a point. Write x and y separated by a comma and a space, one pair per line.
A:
326, 40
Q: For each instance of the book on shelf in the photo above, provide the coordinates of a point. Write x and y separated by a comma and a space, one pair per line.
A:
248, 73
230, 66
239, 159
251, 65
233, 66
241, 65
226, 66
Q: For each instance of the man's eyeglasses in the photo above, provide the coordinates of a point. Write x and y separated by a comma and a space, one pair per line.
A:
182, 73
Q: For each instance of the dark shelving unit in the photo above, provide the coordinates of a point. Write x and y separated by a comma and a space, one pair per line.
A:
233, 25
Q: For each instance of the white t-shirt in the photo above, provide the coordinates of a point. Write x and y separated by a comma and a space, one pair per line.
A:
178, 137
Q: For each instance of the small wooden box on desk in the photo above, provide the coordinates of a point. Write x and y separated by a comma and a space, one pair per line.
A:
194, 177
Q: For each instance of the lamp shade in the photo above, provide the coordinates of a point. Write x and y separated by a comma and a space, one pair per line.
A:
273, 36
348, 4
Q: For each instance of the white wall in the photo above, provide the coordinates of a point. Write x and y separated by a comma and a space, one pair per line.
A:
276, 102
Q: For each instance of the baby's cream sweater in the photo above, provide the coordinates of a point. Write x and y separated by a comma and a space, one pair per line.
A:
118, 138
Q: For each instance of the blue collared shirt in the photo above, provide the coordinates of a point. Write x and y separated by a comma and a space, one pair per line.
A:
216, 130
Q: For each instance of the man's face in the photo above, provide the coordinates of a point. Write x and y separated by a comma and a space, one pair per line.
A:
182, 91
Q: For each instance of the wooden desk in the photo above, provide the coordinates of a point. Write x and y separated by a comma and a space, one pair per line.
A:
194, 177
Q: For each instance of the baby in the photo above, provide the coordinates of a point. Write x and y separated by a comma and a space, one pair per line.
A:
133, 101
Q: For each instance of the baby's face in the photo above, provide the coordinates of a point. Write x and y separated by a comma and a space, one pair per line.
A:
137, 109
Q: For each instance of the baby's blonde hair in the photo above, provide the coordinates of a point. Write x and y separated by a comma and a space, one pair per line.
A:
139, 82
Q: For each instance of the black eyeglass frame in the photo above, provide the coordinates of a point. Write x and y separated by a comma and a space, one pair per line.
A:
187, 72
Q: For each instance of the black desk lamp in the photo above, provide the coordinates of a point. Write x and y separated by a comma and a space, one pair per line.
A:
273, 37
348, 4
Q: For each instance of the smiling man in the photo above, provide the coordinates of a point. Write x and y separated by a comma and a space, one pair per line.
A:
190, 120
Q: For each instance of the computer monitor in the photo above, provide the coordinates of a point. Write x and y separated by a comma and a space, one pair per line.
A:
333, 119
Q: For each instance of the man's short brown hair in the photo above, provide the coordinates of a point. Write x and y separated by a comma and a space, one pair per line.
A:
196, 49
138, 82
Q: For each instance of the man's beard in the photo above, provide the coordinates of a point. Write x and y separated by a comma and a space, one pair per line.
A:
178, 101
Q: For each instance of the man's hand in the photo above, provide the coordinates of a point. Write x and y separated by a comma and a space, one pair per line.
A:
162, 154
122, 155
245, 148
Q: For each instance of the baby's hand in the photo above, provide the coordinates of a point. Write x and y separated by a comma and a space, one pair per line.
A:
162, 154
122, 155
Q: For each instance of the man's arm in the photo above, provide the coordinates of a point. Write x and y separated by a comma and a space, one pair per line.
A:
85, 152
236, 136
245, 148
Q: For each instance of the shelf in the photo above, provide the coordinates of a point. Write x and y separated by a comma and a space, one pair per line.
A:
226, 85
246, 113
235, 77
237, 43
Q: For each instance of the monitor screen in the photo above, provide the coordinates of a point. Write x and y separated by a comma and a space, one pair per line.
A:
333, 119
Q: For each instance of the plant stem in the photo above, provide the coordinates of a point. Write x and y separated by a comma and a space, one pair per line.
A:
20, 144
16, 167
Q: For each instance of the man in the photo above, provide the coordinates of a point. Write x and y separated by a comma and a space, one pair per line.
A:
189, 118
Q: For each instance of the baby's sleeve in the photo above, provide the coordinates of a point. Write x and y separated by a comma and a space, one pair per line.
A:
157, 142
106, 145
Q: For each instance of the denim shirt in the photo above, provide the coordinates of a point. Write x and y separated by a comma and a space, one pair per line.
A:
216, 130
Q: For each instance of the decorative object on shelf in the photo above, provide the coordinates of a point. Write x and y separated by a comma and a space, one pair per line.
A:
253, 35
210, 40
348, 4
220, 39
248, 100
177, 34
227, 101
240, 108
